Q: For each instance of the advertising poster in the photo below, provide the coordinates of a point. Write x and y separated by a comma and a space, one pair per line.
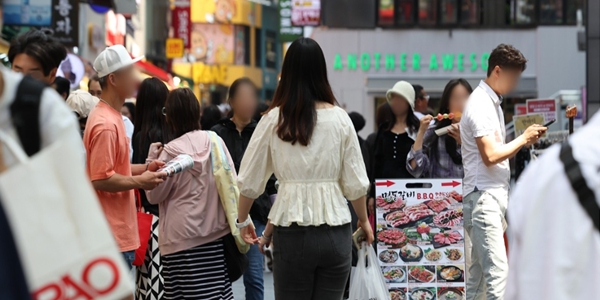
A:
547, 107
420, 238
287, 31
306, 12
212, 44
27, 12
182, 25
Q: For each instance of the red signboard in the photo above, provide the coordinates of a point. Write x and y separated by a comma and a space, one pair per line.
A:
182, 25
546, 107
520, 109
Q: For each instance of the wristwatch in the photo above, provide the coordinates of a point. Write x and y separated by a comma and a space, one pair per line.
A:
243, 224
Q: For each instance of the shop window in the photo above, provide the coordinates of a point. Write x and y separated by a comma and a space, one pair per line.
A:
258, 48
242, 45
271, 50
448, 11
469, 12
385, 12
427, 12
571, 10
551, 12
523, 12
406, 12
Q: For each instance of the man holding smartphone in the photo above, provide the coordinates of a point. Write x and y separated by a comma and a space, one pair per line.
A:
487, 173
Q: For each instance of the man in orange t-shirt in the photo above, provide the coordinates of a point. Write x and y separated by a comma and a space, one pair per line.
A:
107, 149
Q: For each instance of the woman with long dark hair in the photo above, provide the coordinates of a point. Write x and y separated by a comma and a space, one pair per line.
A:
192, 219
311, 146
396, 137
236, 131
150, 127
434, 156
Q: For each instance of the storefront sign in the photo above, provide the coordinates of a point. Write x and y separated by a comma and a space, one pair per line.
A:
181, 21
420, 238
547, 107
520, 109
203, 73
416, 61
27, 13
306, 12
115, 29
287, 32
65, 21
522, 122
174, 48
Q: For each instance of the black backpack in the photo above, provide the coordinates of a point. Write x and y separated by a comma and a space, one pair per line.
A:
586, 196
25, 112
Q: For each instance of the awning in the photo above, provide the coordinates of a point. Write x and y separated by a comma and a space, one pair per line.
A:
155, 71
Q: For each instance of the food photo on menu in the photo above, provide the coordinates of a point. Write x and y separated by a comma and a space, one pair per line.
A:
420, 240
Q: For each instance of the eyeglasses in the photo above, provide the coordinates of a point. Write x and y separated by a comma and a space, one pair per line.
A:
164, 111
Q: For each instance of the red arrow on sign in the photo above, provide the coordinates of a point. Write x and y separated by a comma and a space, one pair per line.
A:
452, 184
387, 183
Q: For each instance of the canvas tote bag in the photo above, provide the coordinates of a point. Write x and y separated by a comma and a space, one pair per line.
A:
66, 246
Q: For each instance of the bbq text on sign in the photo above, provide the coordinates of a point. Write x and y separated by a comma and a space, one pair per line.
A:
65, 21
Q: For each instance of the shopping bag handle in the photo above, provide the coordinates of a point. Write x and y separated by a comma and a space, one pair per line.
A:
14, 147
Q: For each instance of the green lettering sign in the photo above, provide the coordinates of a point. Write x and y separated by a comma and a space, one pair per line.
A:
389, 62
337, 62
460, 62
433, 63
448, 61
473, 61
484, 61
365, 61
351, 61
416, 61
403, 61
377, 56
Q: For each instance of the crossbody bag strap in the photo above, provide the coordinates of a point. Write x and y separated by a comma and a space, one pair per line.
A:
586, 196
25, 111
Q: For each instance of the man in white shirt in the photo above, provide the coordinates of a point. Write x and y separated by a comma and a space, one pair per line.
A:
555, 246
487, 173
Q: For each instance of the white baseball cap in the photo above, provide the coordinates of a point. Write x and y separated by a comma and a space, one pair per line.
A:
405, 90
112, 59
82, 102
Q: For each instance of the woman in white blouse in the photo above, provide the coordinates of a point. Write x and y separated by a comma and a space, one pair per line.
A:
311, 146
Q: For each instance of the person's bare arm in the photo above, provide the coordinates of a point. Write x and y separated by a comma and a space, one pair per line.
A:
492, 153
119, 183
138, 169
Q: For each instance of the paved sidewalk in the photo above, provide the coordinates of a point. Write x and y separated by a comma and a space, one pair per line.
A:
238, 288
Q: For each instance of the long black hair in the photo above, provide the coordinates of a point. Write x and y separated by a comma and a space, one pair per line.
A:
451, 145
150, 123
303, 83
412, 122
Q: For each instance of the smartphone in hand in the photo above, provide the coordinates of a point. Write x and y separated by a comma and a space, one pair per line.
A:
358, 237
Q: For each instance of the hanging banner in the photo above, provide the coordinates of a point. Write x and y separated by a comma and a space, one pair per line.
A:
287, 32
181, 21
27, 13
306, 12
65, 21
420, 238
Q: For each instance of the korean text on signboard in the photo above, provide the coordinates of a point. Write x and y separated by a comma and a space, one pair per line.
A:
174, 48
181, 21
522, 122
65, 21
287, 31
27, 13
306, 12
420, 238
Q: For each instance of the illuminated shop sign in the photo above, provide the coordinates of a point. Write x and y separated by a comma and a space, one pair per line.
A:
412, 61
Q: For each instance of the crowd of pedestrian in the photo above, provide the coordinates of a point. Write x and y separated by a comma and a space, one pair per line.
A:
302, 175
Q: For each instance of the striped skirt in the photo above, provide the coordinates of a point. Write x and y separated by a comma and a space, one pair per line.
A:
197, 273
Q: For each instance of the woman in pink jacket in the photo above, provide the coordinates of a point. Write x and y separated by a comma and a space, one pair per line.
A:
193, 222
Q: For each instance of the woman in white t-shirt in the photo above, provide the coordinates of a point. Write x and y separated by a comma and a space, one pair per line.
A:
311, 146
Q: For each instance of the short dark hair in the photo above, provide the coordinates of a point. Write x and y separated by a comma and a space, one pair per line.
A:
508, 57
357, 120
418, 91
235, 87
131, 107
42, 47
94, 78
103, 81
210, 117
183, 112
62, 85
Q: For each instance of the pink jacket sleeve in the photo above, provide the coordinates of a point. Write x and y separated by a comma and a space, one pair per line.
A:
163, 190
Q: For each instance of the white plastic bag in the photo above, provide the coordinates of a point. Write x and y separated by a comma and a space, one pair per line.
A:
367, 281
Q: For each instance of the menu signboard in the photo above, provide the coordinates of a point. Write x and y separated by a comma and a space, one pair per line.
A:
420, 238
